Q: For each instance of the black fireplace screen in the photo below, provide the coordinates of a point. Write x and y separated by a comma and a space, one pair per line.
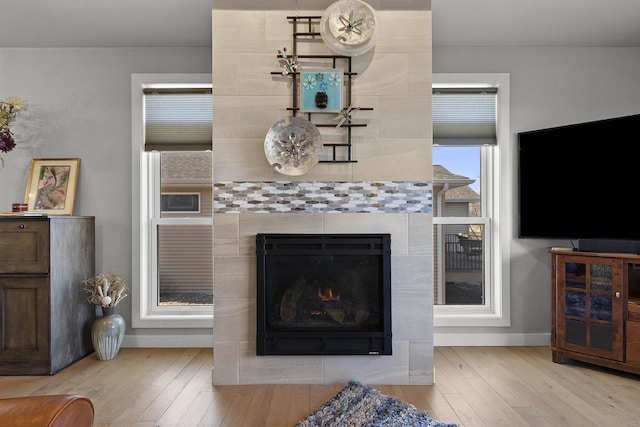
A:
324, 294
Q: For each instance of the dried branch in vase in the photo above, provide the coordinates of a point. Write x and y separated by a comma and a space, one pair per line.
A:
106, 289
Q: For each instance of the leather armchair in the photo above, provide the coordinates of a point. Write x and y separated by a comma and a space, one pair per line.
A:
61, 410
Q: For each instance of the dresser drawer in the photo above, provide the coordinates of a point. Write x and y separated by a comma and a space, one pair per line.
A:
24, 245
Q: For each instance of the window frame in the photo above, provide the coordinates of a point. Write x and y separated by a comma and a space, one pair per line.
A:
496, 218
146, 197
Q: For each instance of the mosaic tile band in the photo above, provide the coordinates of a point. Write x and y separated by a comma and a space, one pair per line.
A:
323, 197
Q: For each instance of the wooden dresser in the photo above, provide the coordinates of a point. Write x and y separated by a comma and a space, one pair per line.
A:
45, 319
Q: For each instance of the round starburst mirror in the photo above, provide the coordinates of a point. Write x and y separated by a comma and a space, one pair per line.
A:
348, 27
293, 146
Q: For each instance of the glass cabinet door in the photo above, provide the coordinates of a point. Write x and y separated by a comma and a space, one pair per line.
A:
589, 306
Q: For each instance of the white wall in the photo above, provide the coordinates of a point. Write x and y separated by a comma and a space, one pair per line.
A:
80, 106
549, 87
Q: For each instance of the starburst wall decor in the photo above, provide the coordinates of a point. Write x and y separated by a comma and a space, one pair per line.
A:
348, 27
293, 146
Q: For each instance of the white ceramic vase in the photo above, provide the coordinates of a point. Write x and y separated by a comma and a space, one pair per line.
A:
107, 333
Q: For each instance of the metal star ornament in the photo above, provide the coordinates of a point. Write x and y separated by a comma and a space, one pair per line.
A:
289, 64
345, 115
350, 25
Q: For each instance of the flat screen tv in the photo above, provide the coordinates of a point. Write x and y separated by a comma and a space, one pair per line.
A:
580, 181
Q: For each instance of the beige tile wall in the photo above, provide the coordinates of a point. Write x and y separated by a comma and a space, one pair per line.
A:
395, 79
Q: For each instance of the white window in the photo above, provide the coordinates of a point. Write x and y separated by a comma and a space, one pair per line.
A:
472, 221
172, 219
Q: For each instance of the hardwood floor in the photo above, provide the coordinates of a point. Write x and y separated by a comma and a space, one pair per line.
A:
474, 386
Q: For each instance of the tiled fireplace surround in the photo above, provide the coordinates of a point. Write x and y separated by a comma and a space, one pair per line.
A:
389, 189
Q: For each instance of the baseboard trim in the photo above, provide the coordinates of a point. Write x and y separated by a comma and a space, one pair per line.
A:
167, 341
486, 340
439, 340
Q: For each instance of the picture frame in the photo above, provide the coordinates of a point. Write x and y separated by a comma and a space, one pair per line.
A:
321, 90
52, 186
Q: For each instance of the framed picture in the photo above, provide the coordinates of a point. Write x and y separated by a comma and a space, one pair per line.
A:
52, 184
321, 90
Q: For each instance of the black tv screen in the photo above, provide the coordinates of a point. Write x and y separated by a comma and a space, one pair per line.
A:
580, 181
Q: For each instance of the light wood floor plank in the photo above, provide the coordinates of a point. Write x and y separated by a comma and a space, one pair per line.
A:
301, 404
530, 389
577, 394
436, 403
474, 386
179, 410
505, 413
279, 407
222, 399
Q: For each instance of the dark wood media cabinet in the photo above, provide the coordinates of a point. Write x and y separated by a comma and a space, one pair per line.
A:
595, 309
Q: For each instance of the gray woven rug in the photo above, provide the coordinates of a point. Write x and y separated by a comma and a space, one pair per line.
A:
358, 405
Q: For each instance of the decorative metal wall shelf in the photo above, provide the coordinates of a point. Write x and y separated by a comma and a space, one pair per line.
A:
307, 33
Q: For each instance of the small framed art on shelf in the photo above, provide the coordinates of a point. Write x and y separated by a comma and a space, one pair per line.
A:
321, 91
52, 186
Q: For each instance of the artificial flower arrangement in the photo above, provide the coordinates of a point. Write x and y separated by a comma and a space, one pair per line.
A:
106, 289
8, 109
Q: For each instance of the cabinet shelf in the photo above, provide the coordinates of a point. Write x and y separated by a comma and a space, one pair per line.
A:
309, 23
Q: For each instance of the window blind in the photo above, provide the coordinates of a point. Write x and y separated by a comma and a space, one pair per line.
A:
464, 116
178, 119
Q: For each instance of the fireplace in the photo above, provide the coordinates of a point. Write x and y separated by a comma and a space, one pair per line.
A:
323, 294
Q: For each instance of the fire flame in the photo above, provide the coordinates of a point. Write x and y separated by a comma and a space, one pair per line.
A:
328, 295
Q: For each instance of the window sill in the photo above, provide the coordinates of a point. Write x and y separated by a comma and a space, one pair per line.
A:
173, 321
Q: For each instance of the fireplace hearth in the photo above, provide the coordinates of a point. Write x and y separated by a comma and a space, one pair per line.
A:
323, 294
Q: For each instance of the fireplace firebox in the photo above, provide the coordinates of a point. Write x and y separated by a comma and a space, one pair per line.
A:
323, 294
